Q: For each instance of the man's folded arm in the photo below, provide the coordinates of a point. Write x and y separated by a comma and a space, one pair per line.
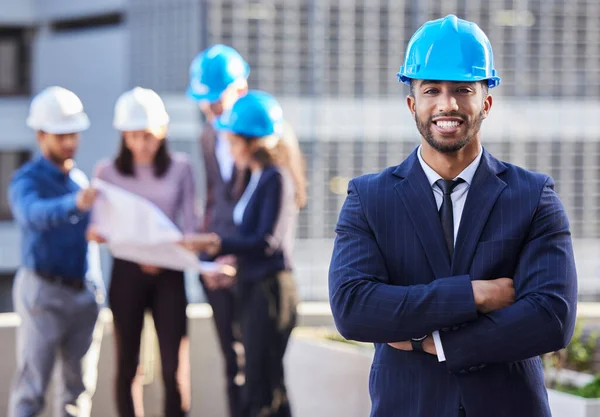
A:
367, 308
543, 317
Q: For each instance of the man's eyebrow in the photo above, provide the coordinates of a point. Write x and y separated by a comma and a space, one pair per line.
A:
428, 82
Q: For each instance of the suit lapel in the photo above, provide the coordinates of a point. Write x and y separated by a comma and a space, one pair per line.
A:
415, 192
483, 193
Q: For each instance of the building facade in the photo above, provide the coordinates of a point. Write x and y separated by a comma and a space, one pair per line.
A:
332, 63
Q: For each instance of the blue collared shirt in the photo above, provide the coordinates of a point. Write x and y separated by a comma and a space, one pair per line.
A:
43, 202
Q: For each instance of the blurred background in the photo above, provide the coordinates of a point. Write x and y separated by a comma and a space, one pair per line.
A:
332, 65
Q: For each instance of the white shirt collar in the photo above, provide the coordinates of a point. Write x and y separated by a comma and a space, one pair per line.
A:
467, 174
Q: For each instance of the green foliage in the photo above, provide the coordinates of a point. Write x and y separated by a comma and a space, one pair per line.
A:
336, 337
580, 352
578, 355
590, 390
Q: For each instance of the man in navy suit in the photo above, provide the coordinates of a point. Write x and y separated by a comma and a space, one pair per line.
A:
459, 267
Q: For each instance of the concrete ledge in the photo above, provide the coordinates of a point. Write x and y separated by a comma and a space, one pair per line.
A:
206, 364
306, 358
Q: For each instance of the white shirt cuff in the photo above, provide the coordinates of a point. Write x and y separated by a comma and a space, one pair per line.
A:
437, 341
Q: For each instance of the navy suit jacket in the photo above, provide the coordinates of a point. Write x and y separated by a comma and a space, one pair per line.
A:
391, 279
264, 239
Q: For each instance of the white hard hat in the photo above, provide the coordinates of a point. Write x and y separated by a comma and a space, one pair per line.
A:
139, 109
57, 110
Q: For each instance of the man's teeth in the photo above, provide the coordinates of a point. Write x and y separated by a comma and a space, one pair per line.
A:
447, 124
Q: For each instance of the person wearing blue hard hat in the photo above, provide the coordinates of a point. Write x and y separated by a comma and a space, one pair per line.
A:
266, 217
218, 77
457, 266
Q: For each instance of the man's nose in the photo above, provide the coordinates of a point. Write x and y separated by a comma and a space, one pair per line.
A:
70, 142
447, 103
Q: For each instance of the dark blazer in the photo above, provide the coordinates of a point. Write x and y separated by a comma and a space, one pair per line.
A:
221, 196
264, 239
391, 279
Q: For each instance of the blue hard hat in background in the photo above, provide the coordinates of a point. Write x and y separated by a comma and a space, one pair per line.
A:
213, 70
257, 114
449, 49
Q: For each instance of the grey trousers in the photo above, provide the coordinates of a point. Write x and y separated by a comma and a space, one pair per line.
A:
57, 327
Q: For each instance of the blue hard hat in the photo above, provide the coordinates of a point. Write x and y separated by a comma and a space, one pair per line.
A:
213, 70
257, 114
449, 49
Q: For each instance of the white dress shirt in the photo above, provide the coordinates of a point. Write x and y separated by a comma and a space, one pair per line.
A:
224, 157
459, 197
240, 207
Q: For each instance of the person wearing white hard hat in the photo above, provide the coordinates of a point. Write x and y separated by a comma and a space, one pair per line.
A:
54, 291
145, 166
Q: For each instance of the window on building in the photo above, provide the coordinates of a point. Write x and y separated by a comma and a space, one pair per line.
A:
9, 162
14, 61
6, 284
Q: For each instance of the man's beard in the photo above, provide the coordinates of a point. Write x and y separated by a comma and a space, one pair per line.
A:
452, 147
57, 158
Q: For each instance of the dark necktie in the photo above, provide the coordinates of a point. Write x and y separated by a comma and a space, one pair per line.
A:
447, 211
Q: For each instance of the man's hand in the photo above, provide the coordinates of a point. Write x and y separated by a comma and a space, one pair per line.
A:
428, 346
92, 235
85, 198
210, 280
216, 280
150, 269
491, 295
202, 242
219, 280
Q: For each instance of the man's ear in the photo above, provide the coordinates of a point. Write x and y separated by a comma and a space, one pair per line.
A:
487, 105
242, 88
411, 103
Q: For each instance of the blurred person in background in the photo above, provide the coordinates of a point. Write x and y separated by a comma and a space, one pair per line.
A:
265, 218
58, 286
218, 77
145, 166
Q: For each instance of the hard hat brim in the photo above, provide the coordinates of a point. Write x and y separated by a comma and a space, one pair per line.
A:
78, 124
225, 127
218, 124
211, 96
133, 126
492, 82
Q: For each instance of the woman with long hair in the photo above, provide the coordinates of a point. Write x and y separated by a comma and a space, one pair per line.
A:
145, 166
266, 217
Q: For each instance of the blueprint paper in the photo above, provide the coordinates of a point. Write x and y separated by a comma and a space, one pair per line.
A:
136, 230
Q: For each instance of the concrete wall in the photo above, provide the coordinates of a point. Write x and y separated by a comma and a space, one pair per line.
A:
207, 368
324, 379
14, 133
20, 12
66, 9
